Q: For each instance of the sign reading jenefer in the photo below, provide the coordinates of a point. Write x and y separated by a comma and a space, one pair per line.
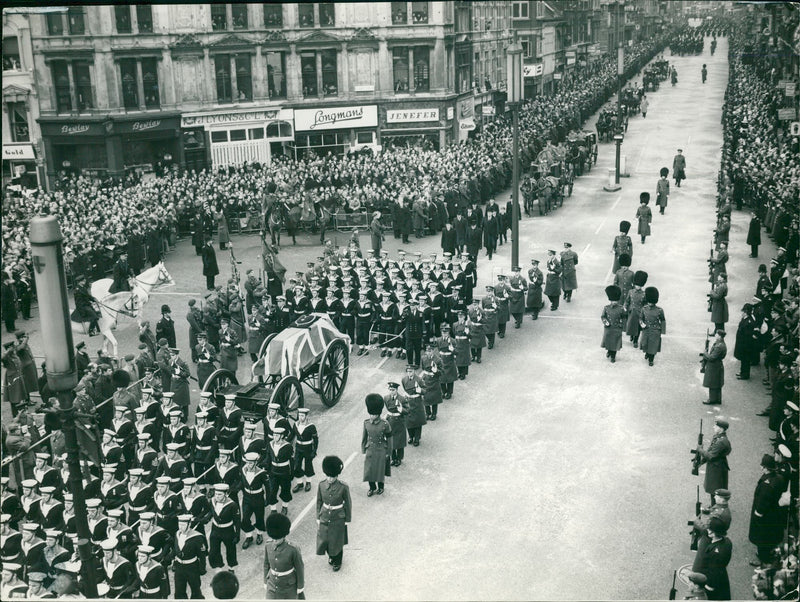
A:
335, 118
411, 115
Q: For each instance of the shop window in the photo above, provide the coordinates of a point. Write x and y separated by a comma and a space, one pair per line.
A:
327, 14
55, 24
152, 97
83, 85
238, 135
399, 13
219, 17
273, 15
219, 136
122, 15
222, 70
279, 129
317, 144
11, 61
239, 16
76, 20
308, 70
421, 69
18, 120
256, 133
400, 68
144, 18
330, 80
130, 85
62, 86
419, 12
244, 78
305, 13
276, 79
365, 137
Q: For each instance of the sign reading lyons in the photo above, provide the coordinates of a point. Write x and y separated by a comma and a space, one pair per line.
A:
411, 115
335, 118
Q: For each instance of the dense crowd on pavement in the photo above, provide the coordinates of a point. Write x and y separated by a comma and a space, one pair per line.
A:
759, 173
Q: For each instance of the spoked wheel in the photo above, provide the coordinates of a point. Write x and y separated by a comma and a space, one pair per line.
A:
219, 380
333, 371
289, 395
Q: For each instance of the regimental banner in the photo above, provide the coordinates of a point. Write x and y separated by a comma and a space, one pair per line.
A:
335, 118
411, 115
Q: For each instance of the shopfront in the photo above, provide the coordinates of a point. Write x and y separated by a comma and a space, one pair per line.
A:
234, 137
337, 130
532, 74
418, 125
19, 167
148, 142
464, 121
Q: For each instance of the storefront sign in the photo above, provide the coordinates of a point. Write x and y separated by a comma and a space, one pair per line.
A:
532, 70
557, 75
335, 118
571, 57
206, 119
466, 125
146, 125
19, 152
787, 114
75, 129
450, 112
487, 110
791, 89
78, 128
411, 115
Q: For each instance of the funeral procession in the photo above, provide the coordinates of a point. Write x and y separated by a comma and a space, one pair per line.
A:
446, 300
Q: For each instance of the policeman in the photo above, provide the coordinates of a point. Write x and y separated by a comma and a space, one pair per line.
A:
613, 318
284, 576
225, 527
255, 482
189, 558
306, 441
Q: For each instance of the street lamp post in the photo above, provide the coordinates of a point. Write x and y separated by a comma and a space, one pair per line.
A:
51, 291
515, 94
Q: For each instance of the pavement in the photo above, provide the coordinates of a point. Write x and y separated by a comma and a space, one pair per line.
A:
551, 474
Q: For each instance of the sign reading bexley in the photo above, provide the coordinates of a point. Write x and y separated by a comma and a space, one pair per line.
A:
335, 118
411, 115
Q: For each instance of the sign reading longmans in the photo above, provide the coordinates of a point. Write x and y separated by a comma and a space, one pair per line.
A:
335, 118
411, 115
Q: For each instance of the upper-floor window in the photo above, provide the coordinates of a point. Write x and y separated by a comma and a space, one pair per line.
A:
463, 70
11, 59
55, 24
130, 19
234, 77
418, 76
18, 122
276, 74
219, 17
421, 69
409, 12
76, 20
122, 16
273, 15
399, 13
72, 82
519, 10
144, 18
239, 16
319, 73
419, 12
322, 14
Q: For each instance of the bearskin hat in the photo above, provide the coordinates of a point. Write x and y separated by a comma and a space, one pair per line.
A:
120, 378
640, 278
613, 292
332, 466
624, 226
651, 294
625, 260
644, 197
278, 525
374, 404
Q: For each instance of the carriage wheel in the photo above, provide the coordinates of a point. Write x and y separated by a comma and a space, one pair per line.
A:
219, 380
288, 394
263, 349
333, 370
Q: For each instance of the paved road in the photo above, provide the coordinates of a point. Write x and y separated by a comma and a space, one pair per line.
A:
551, 474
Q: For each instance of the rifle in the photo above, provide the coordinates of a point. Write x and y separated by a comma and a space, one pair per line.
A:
703, 355
697, 460
698, 509
673, 592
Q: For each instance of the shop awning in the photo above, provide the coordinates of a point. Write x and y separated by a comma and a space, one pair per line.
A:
18, 152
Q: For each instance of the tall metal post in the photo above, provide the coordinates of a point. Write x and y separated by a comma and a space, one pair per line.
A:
515, 93
51, 288
620, 68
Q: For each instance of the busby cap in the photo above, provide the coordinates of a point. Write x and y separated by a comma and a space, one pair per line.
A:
374, 403
332, 466
121, 378
651, 294
624, 226
664, 172
613, 292
278, 525
625, 260
640, 278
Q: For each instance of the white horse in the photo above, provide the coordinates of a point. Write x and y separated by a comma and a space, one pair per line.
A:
125, 303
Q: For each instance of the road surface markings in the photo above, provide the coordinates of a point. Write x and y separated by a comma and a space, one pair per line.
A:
586, 248
313, 502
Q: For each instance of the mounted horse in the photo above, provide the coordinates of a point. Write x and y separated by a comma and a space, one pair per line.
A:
124, 303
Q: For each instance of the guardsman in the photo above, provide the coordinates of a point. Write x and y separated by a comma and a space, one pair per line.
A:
255, 483
279, 463
533, 301
644, 216
229, 423
227, 472
569, 279
714, 375
306, 442
206, 356
112, 491
203, 445
334, 509
633, 307
189, 558
375, 445
396, 411
196, 504
284, 575
662, 190
146, 457
52, 510
613, 318
225, 527
653, 324
153, 580
251, 443
477, 335
622, 244
623, 277
416, 417
364, 319
490, 322
126, 543
150, 534
120, 573
173, 466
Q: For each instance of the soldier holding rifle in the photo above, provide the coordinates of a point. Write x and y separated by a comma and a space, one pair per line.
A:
716, 458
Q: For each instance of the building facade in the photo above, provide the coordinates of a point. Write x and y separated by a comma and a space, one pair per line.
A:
124, 87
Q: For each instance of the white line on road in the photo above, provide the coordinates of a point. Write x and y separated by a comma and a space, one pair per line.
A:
586, 248
313, 503
380, 365
614, 206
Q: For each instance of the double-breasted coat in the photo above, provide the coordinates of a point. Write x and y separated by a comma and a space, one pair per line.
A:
569, 278
716, 460
461, 344
397, 410
613, 318
747, 347
719, 305
662, 192
633, 307
534, 296
375, 447
416, 408
552, 285
653, 324
333, 513
714, 376
446, 346
767, 518
644, 215
517, 285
